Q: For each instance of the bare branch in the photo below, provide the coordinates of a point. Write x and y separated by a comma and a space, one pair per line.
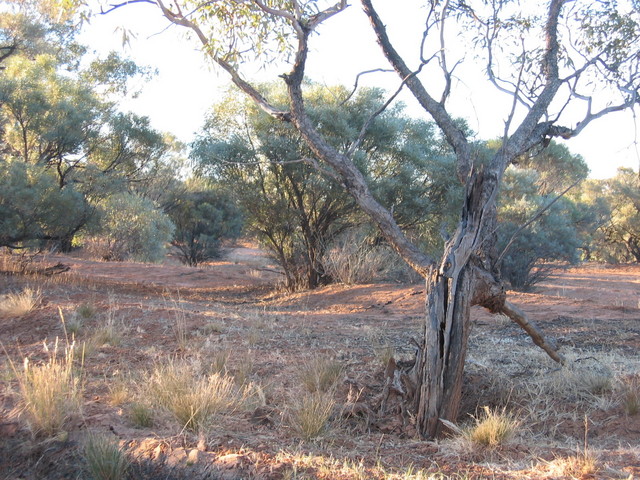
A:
179, 19
590, 117
115, 6
8, 50
454, 135
519, 317
355, 85
274, 12
370, 120
350, 176
531, 132
516, 99
382, 108
496, 81
318, 18
443, 56
429, 23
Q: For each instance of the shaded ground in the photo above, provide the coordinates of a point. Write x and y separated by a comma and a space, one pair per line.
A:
231, 307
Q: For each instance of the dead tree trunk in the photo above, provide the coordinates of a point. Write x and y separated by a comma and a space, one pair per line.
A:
440, 365
451, 291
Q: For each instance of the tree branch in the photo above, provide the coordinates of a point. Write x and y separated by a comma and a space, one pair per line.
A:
318, 18
355, 84
179, 19
528, 132
519, 317
370, 120
453, 134
351, 177
115, 6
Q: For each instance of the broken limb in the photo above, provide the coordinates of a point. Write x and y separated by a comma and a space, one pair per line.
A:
519, 317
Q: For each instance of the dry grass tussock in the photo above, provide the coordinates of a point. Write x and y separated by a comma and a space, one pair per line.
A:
141, 415
310, 414
111, 329
193, 399
493, 427
105, 459
50, 392
631, 396
582, 465
20, 303
320, 374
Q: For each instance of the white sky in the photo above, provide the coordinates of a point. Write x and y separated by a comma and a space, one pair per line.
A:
186, 86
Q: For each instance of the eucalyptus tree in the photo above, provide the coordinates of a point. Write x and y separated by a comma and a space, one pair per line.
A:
543, 57
295, 211
59, 123
32, 28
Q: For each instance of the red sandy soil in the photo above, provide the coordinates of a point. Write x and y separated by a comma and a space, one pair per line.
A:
234, 306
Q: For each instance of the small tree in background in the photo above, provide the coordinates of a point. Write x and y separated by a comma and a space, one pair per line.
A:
131, 228
541, 227
293, 210
58, 120
619, 237
297, 212
203, 217
33, 208
552, 238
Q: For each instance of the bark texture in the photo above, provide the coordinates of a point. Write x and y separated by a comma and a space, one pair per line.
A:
462, 279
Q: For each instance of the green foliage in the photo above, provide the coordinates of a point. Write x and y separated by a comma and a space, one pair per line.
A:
297, 212
64, 147
129, 148
240, 31
132, 227
203, 218
31, 28
33, 207
558, 234
113, 73
294, 211
49, 117
556, 166
618, 238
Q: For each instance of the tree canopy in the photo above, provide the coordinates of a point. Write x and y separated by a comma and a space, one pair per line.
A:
65, 144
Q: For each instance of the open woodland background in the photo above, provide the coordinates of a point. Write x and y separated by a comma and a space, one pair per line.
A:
223, 310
